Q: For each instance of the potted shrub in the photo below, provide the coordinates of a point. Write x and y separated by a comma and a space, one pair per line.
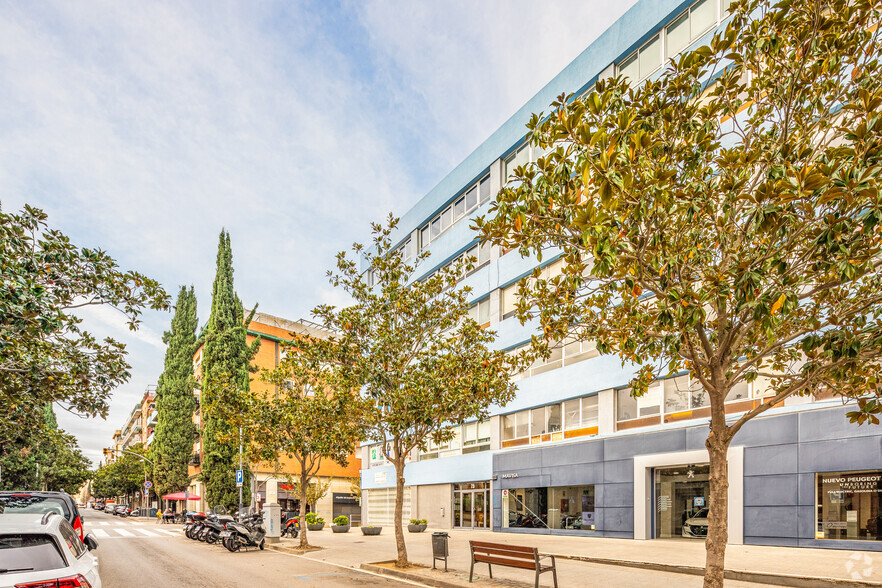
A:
341, 524
417, 525
314, 522
371, 530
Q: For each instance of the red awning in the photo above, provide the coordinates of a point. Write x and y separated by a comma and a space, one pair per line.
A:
180, 496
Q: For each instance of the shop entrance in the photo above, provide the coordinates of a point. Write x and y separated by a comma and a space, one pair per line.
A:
681, 501
471, 505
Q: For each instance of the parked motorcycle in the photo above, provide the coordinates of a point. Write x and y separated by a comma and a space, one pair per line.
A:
194, 524
215, 524
249, 533
291, 527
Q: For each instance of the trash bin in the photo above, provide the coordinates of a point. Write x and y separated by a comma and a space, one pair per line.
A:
439, 548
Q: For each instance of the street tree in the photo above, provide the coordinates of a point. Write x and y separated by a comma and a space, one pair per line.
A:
124, 476
175, 403
226, 361
730, 228
45, 354
310, 420
420, 362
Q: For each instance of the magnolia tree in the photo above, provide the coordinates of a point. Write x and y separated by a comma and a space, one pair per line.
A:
420, 363
309, 420
729, 229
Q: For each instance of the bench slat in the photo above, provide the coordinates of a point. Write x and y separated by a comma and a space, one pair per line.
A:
506, 553
514, 563
505, 546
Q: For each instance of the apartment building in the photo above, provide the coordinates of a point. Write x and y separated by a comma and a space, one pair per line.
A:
140, 424
268, 485
574, 453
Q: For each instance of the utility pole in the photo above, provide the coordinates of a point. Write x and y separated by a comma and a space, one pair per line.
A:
240, 469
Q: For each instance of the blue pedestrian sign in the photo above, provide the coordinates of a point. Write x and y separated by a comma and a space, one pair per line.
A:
239, 477
148, 484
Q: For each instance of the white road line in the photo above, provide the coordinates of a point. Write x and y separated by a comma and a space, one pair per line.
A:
136, 523
123, 532
101, 533
167, 532
147, 533
103, 523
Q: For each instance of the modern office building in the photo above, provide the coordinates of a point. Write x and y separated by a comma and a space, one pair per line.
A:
574, 453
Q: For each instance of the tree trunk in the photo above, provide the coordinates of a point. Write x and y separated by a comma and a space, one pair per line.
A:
718, 520
401, 562
304, 480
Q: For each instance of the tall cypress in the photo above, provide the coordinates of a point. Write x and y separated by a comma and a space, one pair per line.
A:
226, 359
175, 431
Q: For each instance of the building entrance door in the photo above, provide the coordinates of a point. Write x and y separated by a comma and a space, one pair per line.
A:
471, 505
681, 501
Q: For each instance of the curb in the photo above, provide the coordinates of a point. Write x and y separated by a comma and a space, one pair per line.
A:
768, 578
416, 578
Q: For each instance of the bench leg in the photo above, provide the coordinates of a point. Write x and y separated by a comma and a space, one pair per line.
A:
554, 575
490, 570
471, 570
537, 577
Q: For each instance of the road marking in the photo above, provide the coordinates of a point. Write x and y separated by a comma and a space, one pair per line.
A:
123, 532
167, 532
103, 523
136, 523
101, 533
148, 533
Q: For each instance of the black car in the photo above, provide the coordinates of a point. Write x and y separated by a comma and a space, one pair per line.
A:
26, 501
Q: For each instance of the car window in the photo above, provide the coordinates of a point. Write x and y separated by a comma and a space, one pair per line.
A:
28, 503
72, 539
20, 552
702, 514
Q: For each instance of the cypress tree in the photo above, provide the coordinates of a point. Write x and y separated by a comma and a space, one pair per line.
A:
226, 359
175, 431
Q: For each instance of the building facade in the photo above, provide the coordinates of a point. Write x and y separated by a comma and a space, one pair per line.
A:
574, 453
267, 484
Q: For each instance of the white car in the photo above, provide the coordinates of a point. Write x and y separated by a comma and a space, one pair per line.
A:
40, 550
696, 525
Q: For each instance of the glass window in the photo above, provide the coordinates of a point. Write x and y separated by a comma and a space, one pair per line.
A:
677, 394
537, 421
470, 434
553, 418
484, 253
700, 397
702, 16
522, 428
561, 507
425, 238
677, 35
485, 189
650, 57
508, 426
484, 432
446, 218
459, 208
629, 68
484, 311
572, 413
626, 405
589, 411
650, 403
849, 505
36, 552
436, 227
740, 391
509, 300
471, 199
72, 539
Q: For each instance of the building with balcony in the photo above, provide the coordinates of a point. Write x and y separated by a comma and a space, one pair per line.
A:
268, 486
574, 453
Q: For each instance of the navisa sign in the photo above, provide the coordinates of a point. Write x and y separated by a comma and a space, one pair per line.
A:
239, 478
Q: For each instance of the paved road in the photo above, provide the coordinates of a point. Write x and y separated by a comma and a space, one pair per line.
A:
139, 552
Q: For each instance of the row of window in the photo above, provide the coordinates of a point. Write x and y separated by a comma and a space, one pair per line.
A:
569, 352
477, 194
671, 396
551, 422
468, 438
694, 22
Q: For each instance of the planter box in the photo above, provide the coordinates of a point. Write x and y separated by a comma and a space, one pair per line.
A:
340, 528
371, 530
317, 527
416, 528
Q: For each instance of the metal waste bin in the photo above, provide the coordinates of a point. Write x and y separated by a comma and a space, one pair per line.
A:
439, 548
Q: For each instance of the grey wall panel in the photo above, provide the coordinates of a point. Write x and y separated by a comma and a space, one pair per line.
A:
820, 425
566, 455
807, 489
772, 459
695, 438
806, 523
591, 473
619, 535
529, 479
641, 444
513, 460
770, 521
777, 490
773, 541
776, 430
618, 519
618, 495
856, 453
618, 471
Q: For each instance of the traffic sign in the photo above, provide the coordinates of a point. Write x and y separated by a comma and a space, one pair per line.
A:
148, 484
240, 477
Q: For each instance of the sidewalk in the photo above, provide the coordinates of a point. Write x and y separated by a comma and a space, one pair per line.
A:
675, 560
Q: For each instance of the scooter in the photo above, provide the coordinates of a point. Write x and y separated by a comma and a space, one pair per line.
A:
291, 528
194, 524
214, 525
244, 534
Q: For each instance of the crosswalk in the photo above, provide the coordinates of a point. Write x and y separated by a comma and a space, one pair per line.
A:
130, 530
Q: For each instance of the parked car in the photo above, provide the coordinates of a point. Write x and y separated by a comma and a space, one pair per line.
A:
38, 550
121, 509
26, 501
696, 525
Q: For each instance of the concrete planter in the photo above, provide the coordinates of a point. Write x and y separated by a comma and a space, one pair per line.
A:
416, 528
371, 530
317, 527
340, 528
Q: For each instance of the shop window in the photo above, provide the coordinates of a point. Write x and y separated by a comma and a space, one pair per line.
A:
849, 506
560, 507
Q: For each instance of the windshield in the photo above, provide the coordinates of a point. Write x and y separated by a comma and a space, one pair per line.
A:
28, 553
702, 514
28, 503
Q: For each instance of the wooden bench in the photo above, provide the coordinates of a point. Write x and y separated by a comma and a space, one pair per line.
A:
513, 556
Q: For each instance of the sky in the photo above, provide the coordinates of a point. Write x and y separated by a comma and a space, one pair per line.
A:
144, 128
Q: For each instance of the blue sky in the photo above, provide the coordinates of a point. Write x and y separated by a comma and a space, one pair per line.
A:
144, 128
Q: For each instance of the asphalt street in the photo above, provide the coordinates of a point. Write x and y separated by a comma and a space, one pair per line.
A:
139, 552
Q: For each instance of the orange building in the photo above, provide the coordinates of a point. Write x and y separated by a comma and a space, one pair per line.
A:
268, 486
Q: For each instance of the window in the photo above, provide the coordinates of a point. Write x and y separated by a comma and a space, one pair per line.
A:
480, 311
848, 506
456, 211
559, 507
677, 35
626, 405
576, 351
741, 391
35, 552
520, 157
509, 301
650, 56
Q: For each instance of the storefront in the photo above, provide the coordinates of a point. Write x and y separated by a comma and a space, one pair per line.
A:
471, 505
681, 501
563, 507
848, 505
